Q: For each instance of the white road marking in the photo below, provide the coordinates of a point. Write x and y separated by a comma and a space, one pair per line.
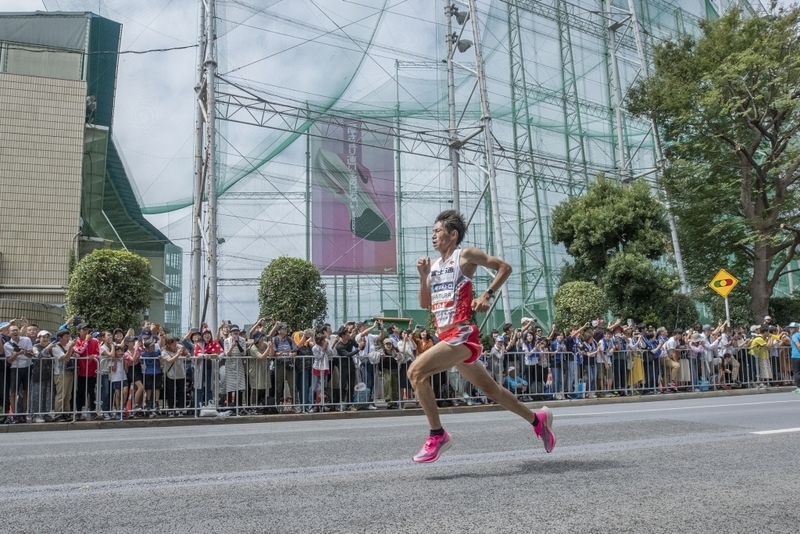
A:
779, 431
675, 408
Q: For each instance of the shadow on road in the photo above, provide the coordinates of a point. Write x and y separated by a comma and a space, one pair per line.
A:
554, 467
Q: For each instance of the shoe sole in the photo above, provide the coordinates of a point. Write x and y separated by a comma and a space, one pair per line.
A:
549, 424
443, 448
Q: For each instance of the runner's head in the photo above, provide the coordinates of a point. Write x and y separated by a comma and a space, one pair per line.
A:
451, 220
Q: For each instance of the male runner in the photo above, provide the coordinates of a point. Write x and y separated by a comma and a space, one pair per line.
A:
446, 288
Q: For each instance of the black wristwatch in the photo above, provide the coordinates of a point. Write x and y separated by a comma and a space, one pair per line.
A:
489, 292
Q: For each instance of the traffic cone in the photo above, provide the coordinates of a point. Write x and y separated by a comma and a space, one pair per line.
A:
129, 403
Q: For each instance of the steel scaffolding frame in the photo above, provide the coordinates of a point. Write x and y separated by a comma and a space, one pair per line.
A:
542, 175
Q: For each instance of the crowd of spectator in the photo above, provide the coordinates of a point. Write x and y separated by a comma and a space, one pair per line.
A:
80, 374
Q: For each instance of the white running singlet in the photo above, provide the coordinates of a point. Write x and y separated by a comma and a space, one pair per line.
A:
451, 292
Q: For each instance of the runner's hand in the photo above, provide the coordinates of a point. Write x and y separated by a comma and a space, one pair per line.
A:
424, 266
481, 304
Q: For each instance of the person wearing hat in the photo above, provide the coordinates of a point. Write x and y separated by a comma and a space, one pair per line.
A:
190, 339
63, 374
234, 350
497, 358
387, 360
150, 356
258, 370
206, 350
18, 352
320, 368
446, 287
173, 360
118, 336
42, 378
133, 373
670, 359
87, 349
515, 384
304, 341
759, 348
346, 349
285, 353
696, 352
794, 347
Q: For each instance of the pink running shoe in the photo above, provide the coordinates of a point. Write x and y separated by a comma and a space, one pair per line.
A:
432, 448
543, 428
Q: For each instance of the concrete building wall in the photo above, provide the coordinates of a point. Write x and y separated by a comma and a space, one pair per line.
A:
41, 148
46, 316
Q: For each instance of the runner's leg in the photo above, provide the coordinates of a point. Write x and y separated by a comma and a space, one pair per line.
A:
478, 375
438, 358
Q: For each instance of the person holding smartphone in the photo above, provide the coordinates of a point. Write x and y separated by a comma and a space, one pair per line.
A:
18, 351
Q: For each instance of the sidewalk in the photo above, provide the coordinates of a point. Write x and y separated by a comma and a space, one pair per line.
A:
363, 414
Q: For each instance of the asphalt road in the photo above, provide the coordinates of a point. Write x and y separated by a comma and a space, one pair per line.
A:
668, 466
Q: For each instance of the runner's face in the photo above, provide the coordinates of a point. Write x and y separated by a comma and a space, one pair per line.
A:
440, 238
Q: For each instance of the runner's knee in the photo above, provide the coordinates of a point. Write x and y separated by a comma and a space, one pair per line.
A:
414, 376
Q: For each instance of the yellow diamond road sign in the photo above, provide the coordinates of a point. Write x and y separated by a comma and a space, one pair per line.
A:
723, 283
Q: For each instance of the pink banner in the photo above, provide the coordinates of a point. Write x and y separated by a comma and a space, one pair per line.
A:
352, 202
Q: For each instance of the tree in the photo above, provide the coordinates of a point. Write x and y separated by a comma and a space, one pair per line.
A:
738, 305
614, 233
635, 288
109, 289
728, 107
578, 302
785, 310
611, 217
291, 290
675, 311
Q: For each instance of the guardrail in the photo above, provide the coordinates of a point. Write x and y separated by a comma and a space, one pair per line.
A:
44, 390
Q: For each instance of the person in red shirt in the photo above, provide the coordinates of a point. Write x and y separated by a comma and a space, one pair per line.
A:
87, 349
206, 350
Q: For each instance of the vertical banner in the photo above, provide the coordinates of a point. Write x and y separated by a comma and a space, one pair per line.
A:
352, 201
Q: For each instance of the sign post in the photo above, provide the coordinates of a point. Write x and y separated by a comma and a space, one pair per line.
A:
723, 283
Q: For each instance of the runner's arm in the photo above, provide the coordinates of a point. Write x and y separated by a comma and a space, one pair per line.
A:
424, 269
478, 257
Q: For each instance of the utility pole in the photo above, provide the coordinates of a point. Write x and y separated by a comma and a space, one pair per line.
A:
451, 106
205, 166
197, 208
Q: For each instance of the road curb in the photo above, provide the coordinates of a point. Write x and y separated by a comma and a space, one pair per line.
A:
366, 414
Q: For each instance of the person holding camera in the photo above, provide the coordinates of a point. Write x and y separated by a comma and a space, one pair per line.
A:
235, 376
88, 350
407, 348
285, 353
206, 351
387, 359
42, 378
150, 356
346, 348
368, 342
63, 374
258, 372
18, 352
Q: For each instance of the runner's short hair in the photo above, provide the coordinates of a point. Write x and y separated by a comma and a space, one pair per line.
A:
453, 220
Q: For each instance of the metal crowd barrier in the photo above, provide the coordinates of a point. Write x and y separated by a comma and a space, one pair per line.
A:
246, 386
